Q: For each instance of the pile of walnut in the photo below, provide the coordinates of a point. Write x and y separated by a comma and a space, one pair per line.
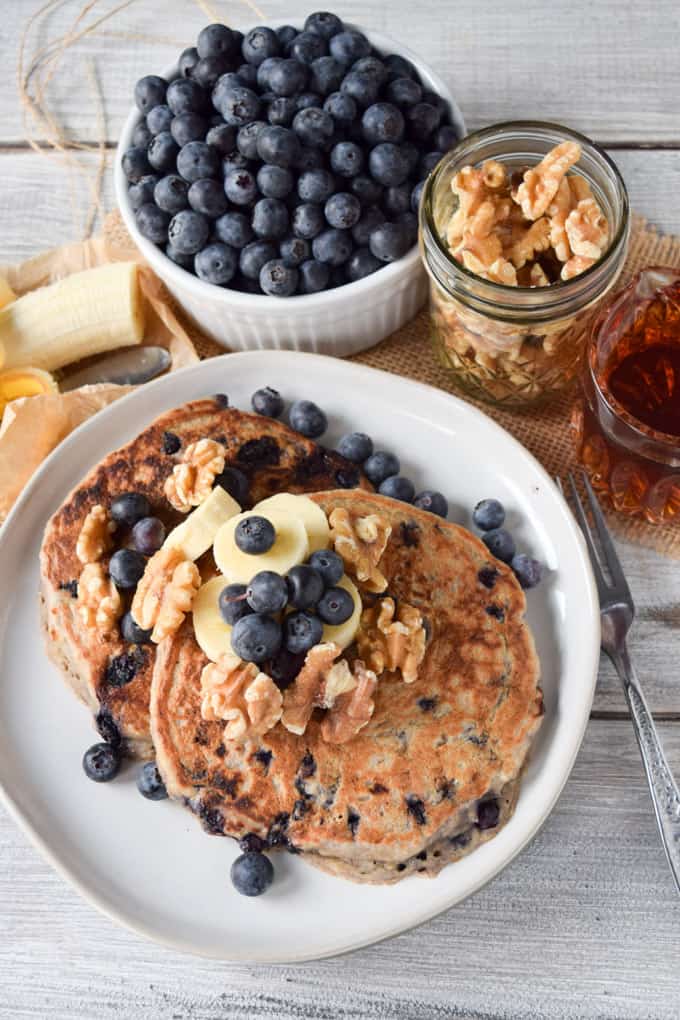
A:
527, 229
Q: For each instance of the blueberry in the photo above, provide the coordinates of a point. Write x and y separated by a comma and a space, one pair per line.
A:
409, 223
308, 47
489, 514
398, 487
252, 874
500, 544
149, 782
277, 279
411, 154
235, 483
361, 87
326, 75
148, 535
294, 251
107, 727
313, 126
207, 196
262, 72
142, 192
324, 24
314, 277
388, 164
208, 70
179, 258
446, 138
171, 194
308, 220
356, 446
390, 241
399, 67
309, 158
347, 159
528, 571
188, 231
267, 592
328, 564
371, 218
332, 246
308, 419
284, 667
240, 187
232, 603
301, 632
281, 111
254, 256
305, 586
335, 606
305, 100
315, 186
286, 34
428, 163
101, 762
188, 127
397, 200
342, 210
222, 137
349, 46
247, 75
488, 813
216, 263
416, 195
373, 67
126, 567
254, 535
130, 507
288, 77
131, 632
342, 108
362, 264
217, 41
162, 152
275, 181
267, 402
149, 92
260, 43
196, 160
185, 95
422, 120
135, 164
187, 61
278, 145
381, 465
235, 161
237, 103
256, 637
159, 119
270, 219
382, 122
404, 92
432, 501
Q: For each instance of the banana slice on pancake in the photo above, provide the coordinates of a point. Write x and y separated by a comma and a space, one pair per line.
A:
212, 633
196, 534
290, 547
306, 510
343, 634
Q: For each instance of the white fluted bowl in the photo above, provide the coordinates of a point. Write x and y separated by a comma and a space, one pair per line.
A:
341, 321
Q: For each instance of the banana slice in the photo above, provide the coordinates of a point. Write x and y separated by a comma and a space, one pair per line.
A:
290, 548
344, 633
212, 633
197, 533
306, 510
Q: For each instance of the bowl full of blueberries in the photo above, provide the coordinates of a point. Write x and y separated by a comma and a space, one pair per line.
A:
272, 180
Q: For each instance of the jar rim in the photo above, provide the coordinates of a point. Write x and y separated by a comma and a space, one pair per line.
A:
561, 290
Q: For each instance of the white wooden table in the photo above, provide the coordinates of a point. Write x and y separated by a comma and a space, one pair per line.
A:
586, 922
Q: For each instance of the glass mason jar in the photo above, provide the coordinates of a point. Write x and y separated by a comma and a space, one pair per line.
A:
516, 346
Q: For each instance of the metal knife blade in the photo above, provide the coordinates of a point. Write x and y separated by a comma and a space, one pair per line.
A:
126, 368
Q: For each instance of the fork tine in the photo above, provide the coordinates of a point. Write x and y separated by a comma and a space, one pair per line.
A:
606, 542
585, 528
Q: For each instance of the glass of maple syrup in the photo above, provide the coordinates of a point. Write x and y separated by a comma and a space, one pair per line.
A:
627, 423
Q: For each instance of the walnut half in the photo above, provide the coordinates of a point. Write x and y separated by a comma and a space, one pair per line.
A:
165, 592
389, 642
95, 537
99, 602
361, 542
192, 480
248, 701
353, 709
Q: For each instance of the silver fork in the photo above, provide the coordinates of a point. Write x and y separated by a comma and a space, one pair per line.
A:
617, 611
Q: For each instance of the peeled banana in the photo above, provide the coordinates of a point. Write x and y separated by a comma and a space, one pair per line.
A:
196, 533
212, 633
87, 313
310, 513
24, 382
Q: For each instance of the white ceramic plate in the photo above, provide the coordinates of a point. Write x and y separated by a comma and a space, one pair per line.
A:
149, 865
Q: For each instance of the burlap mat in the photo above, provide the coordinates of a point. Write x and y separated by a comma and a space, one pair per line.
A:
543, 431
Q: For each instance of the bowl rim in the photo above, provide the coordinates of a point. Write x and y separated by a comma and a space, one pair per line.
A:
394, 273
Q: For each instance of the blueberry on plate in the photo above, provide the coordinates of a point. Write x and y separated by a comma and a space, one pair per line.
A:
235, 483
342, 210
260, 43
188, 127
328, 564
148, 535
301, 632
149, 92
335, 606
252, 874
432, 501
149, 782
398, 487
135, 164
500, 544
315, 185
390, 241
278, 279
347, 159
101, 762
527, 570
382, 122
489, 514
267, 592
196, 160
171, 194
142, 192
324, 24
388, 164
356, 446
129, 507
305, 586
207, 197
234, 229
314, 277
216, 264
126, 567
162, 152
131, 632
256, 637
232, 603
267, 402
307, 418
362, 263
332, 246
254, 256
381, 465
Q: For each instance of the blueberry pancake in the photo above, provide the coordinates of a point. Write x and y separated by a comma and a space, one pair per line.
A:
112, 675
431, 773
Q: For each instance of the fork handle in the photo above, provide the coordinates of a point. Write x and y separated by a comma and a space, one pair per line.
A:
662, 786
